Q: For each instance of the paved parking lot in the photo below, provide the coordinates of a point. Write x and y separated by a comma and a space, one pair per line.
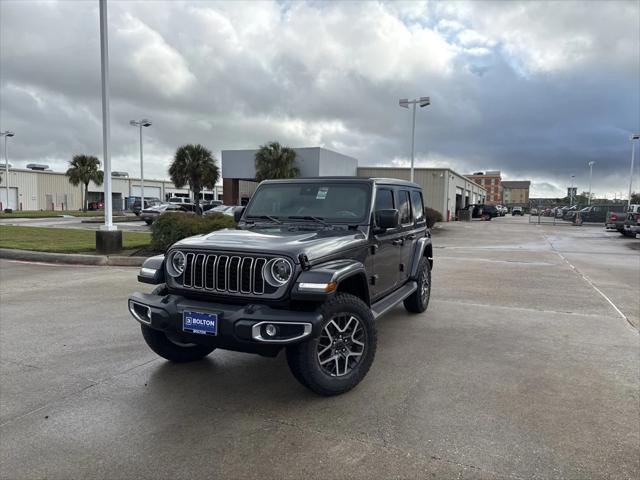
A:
525, 366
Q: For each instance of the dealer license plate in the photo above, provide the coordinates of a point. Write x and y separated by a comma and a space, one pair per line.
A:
201, 323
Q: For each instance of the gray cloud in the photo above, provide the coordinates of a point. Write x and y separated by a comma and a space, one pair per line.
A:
535, 89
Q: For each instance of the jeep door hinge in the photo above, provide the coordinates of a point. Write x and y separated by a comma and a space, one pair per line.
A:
374, 249
373, 279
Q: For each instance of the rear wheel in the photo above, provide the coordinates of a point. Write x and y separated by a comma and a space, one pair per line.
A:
340, 357
418, 301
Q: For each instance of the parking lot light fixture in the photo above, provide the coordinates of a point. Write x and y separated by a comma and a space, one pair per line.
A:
404, 103
591, 164
6, 134
145, 122
634, 138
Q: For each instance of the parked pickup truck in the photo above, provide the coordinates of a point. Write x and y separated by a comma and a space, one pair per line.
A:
597, 213
631, 225
615, 219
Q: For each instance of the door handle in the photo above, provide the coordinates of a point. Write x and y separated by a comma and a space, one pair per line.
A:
400, 241
411, 237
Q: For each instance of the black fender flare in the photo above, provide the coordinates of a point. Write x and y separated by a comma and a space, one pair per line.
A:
335, 271
424, 248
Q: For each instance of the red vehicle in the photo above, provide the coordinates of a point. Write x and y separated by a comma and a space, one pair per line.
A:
96, 206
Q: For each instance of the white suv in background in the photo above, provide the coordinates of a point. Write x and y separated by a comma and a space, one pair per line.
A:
179, 200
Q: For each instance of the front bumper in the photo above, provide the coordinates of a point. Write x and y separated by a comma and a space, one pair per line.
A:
240, 327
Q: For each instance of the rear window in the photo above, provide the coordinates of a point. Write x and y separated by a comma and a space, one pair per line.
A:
416, 204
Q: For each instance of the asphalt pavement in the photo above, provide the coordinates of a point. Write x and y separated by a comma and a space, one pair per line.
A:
525, 365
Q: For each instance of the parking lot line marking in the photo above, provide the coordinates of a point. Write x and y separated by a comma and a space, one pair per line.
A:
588, 280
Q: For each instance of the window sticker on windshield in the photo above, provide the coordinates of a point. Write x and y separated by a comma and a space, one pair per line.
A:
322, 193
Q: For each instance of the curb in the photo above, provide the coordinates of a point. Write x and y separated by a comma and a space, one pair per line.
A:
71, 258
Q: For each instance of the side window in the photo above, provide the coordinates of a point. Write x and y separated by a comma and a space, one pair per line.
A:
416, 203
404, 207
384, 199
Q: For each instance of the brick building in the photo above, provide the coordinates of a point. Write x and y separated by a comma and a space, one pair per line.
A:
492, 182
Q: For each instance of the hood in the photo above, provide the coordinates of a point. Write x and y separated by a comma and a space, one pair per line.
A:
277, 240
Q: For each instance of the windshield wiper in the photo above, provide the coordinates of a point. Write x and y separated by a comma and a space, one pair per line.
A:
309, 217
264, 217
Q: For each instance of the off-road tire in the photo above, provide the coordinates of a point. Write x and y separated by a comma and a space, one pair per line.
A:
303, 357
148, 222
418, 301
163, 346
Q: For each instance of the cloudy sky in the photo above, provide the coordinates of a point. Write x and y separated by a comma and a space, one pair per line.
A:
535, 89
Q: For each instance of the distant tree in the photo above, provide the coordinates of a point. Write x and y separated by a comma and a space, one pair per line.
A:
196, 166
82, 170
635, 198
275, 161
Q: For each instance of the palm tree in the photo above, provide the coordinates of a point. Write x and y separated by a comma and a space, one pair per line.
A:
275, 161
84, 169
196, 166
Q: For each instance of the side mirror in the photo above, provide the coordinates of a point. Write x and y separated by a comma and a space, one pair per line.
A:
237, 214
386, 218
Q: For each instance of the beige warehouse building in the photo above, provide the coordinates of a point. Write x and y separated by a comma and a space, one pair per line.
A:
443, 189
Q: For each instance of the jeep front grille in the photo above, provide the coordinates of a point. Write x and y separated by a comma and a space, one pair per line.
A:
224, 273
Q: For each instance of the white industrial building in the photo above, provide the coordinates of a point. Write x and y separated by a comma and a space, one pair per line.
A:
47, 190
37, 189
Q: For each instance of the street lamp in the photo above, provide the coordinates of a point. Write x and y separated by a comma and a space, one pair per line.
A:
591, 164
6, 135
141, 123
404, 103
633, 138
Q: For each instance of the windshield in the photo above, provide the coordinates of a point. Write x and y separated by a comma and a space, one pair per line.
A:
337, 202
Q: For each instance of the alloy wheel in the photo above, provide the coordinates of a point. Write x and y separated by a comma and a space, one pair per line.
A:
341, 345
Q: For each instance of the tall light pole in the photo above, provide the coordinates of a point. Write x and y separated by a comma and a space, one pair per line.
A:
591, 164
633, 138
6, 135
106, 130
141, 123
423, 102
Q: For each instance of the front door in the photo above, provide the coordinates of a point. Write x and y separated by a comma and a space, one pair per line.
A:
386, 244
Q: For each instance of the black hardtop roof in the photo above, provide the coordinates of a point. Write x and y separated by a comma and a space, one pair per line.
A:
375, 180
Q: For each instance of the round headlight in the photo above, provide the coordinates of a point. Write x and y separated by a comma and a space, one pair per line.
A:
177, 264
277, 272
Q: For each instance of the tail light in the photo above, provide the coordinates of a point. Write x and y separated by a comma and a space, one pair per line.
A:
612, 216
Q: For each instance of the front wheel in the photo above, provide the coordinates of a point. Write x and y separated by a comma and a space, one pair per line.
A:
340, 357
418, 301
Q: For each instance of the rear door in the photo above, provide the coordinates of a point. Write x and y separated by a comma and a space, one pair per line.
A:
407, 227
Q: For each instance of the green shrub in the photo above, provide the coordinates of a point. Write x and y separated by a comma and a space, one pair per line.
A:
432, 216
171, 227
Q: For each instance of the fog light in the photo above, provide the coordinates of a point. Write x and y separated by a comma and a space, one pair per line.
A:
271, 330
